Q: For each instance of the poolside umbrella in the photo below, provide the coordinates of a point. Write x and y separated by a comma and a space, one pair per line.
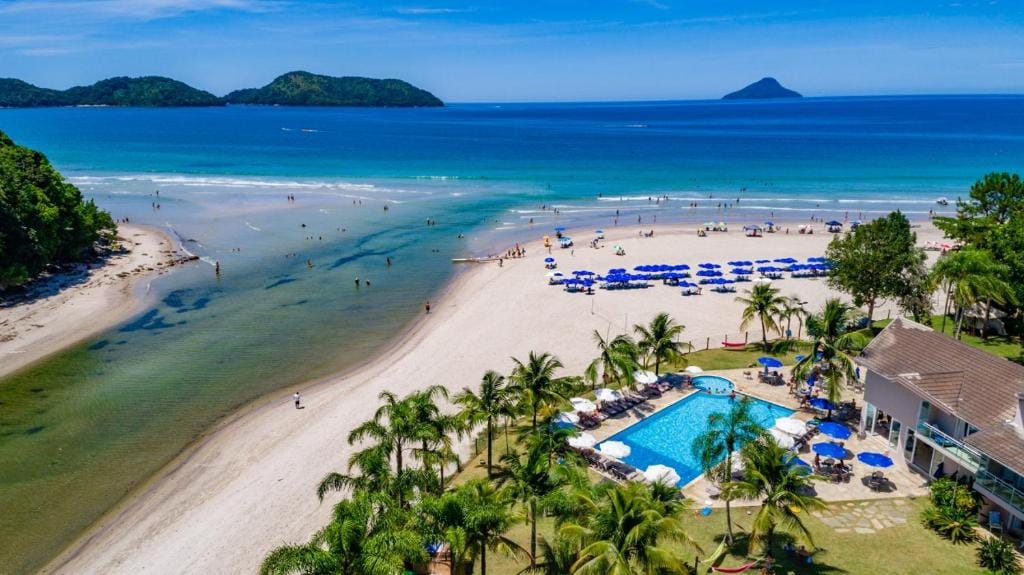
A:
874, 459
829, 449
645, 377
549, 260
784, 440
615, 449
694, 369
605, 394
567, 417
583, 404
822, 404
791, 425
799, 358
834, 430
582, 440
769, 362
661, 474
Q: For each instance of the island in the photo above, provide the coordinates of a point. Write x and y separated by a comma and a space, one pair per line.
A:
306, 89
143, 92
763, 89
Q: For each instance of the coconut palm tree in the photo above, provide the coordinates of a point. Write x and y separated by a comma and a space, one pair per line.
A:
725, 433
783, 487
558, 557
969, 276
535, 384
629, 532
432, 429
527, 479
831, 348
764, 304
491, 401
658, 340
617, 358
393, 426
793, 307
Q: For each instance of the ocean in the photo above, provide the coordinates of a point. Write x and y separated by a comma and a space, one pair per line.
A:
82, 429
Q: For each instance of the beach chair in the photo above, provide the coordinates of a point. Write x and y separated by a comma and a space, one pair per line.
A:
995, 522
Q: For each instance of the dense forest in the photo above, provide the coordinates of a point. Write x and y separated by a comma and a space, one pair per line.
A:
148, 91
43, 219
306, 89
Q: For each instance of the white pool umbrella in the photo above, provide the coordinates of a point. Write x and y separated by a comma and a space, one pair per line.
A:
661, 474
583, 404
645, 377
791, 426
582, 440
605, 394
615, 449
567, 417
784, 439
694, 369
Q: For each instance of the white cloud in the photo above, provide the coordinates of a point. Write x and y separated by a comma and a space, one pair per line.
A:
423, 10
129, 9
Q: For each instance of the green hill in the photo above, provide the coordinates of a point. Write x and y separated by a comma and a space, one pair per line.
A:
306, 89
763, 89
17, 94
43, 219
147, 91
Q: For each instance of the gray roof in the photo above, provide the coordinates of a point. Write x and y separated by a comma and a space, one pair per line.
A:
976, 386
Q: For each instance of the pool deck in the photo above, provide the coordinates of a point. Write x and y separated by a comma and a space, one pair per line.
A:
903, 482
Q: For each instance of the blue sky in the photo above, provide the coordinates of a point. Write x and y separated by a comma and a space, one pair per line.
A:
487, 50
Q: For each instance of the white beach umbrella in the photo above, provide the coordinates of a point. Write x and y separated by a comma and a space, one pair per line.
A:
567, 417
694, 369
605, 394
784, 439
762, 281
791, 426
661, 474
582, 440
583, 404
645, 377
615, 449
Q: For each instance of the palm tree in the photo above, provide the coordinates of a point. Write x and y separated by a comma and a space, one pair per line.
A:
617, 358
559, 557
725, 433
432, 428
833, 343
765, 304
659, 339
629, 532
392, 427
535, 383
527, 479
793, 307
491, 401
783, 488
970, 276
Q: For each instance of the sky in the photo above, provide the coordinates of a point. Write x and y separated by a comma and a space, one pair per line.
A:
541, 50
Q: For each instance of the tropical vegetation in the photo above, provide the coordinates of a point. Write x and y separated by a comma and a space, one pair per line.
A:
306, 89
763, 304
146, 91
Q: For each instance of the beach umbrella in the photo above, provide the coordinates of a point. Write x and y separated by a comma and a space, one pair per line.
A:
560, 229
829, 449
822, 404
797, 462
582, 441
693, 369
784, 440
567, 417
762, 261
615, 449
598, 231
605, 394
874, 459
785, 260
549, 260
681, 267
741, 271
710, 266
661, 474
583, 404
791, 425
835, 430
645, 377
833, 223
769, 362
770, 224
709, 273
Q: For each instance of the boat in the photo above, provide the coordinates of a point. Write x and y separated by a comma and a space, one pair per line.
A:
942, 202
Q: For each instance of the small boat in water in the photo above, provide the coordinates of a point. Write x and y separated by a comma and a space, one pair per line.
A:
942, 202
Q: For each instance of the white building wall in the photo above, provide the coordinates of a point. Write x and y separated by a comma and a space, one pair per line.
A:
895, 400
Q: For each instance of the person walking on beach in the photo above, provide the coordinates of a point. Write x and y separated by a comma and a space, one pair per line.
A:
427, 307
298, 400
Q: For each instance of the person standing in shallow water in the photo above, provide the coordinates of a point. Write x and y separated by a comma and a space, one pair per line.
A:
426, 306
298, 400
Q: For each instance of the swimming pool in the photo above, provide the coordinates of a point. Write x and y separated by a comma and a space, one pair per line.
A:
714, 384
667, 436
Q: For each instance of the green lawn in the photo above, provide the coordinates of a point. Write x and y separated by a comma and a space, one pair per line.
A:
713, 359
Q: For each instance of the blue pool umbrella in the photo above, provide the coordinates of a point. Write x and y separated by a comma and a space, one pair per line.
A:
822, 403
829, 449
834, 430
549, 260
769, 361
874, 459
799, 358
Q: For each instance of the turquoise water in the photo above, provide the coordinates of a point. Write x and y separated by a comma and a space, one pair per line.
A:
715, 384
79, 431
667, 437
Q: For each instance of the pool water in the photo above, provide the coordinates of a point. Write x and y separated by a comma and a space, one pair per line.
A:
667, 436
714, 384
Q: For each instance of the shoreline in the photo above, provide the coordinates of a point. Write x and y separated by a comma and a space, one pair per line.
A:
205, 479
85, 302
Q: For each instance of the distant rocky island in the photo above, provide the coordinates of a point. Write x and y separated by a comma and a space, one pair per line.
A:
763, 89
291, 89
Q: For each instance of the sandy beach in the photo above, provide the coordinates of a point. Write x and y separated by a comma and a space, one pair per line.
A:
73, 306
248, 486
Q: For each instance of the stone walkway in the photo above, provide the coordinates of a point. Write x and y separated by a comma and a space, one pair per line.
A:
865, 517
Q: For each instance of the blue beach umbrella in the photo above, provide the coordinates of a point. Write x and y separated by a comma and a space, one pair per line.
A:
560, 229
833, 223
762, 261
709, 273
549, 260
598, 231
874, 459
769, 361
822, 404
834, 430
741, 271
829, 449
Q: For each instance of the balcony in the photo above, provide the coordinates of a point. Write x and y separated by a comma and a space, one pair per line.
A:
992, 485
966, 456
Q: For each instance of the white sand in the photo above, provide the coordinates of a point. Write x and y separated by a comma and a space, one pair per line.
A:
248, 486
95, 300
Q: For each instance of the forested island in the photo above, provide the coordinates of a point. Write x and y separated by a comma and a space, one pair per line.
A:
291, 89
43, 219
